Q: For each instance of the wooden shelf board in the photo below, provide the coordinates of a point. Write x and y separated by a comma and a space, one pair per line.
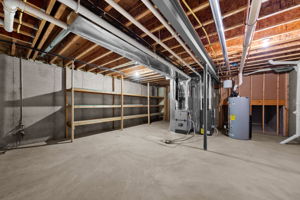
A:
114, 106
111, 119
110, 93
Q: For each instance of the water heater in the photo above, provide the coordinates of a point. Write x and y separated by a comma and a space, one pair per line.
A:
239, 118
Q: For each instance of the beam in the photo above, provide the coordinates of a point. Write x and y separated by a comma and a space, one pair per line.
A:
41, 26
51, 26
65, 47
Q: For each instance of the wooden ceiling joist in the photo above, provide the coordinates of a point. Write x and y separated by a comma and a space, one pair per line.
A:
41, 26
57, 15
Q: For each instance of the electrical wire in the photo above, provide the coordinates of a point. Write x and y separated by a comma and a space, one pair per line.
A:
201, 26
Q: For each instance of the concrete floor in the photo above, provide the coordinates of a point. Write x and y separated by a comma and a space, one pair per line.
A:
134, 164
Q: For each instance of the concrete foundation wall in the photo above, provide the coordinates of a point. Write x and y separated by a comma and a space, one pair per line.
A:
43, 100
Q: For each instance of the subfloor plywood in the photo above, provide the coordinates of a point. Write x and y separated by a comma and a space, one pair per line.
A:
135, 164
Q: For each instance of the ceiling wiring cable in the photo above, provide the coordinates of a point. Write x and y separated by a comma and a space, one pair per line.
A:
201, 25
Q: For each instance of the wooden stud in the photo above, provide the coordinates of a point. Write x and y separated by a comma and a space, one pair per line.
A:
113, 99
165, 103
122, 103
148, 99
13, 48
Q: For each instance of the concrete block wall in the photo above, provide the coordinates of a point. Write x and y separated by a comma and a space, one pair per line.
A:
43, 94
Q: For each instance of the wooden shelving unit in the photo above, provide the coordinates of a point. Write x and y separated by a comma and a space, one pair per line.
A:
70, 108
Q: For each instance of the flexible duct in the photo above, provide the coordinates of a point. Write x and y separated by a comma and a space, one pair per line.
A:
215, 8
251, 22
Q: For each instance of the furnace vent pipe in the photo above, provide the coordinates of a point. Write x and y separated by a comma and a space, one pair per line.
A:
175, 35
216, 11
11, 6
145, 30
251, 22
104, 24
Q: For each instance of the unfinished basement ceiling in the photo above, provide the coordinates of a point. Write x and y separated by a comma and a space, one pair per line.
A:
277, 36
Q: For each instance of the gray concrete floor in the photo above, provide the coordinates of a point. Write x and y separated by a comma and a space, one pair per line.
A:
134, 164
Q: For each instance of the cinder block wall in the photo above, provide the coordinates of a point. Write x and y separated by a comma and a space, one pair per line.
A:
43, 100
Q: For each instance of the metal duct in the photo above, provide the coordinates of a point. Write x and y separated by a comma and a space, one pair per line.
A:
98, 35
215, 8
174, 13
64, 33
251, 22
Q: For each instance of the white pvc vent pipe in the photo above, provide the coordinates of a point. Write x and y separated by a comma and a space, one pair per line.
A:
11, 6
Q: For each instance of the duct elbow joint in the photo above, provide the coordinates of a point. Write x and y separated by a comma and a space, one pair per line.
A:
10, 8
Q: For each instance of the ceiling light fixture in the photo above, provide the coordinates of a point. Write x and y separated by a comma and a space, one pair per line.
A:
265, 43
137, 74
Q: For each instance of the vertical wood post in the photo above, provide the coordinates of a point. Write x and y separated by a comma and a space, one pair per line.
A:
66, 106
148, 99
72, 102
263, 104
113, 100
166, 104
277, 105
122, 103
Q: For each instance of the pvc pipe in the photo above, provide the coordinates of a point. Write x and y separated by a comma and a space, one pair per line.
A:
249, 33
101, 22
215, 8
145, 30
168, 27
10, 7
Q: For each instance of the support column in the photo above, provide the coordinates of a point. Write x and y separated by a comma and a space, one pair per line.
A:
72, 103
122, 103
66, 106
263, 104
148, 99
277, 105
205, 109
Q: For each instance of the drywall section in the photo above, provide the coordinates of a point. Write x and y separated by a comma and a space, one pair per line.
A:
44, 99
